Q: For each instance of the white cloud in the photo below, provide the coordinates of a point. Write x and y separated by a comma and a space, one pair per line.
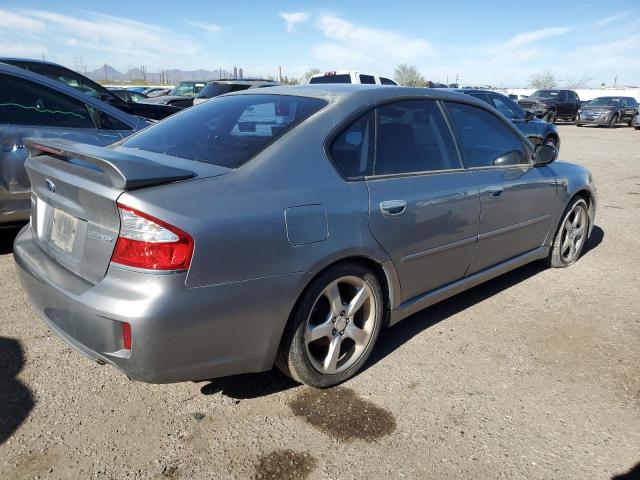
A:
354, 46
207, 27
613, 18
294, 18
527, 38
12, 21
121, 42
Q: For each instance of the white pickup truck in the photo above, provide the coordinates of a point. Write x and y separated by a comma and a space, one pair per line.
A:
346, 76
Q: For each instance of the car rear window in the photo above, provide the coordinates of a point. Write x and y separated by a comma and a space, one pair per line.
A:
226, 131
344, 78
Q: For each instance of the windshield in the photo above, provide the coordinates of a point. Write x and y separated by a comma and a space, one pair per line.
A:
187, 89
346, 78
544, 93
226, 131
605, 101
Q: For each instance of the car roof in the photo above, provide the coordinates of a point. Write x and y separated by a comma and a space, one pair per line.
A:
370, 92
67, 90
27, 60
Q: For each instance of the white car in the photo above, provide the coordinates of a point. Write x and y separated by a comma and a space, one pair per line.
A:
346, 76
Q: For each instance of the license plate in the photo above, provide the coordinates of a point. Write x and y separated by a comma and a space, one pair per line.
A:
63, 230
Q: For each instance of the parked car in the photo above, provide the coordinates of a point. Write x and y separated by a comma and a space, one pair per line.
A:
220, 87
552, 104
347, 76
287, 226
136, 89
608, 111
181, 95
536, 130
636, 121
156, 91
32, 105
129, 95
91, 88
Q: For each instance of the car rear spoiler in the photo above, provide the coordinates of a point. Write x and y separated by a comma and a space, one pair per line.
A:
124, 171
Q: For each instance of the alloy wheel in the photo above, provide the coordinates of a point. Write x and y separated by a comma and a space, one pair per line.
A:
340, 325
574, 233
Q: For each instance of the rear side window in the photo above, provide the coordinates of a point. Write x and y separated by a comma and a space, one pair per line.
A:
345, 78
412, 136
485, 140
23, 102
367, 79
226, 131
352, 150
386, 81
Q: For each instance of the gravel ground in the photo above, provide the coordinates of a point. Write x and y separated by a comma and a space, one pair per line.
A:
535, 374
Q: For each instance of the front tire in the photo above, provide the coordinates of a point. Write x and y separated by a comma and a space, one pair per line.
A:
571, 235
334, 327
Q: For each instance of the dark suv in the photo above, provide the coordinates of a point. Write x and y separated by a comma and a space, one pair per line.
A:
91, 88
536, 130
552, 105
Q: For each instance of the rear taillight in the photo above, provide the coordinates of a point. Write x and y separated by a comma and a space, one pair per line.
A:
149, 243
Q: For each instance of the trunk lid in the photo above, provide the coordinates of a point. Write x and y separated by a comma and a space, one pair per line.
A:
75, 187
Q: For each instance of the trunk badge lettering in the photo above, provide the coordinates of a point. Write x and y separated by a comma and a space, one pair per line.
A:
50, 186
100, 236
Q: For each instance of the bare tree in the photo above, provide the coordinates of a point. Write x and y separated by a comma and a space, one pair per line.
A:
409, 76
309, 73
542, 80
574, 81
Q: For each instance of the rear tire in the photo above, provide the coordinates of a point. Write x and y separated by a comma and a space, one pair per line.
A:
571, 235
613, 121
333, 328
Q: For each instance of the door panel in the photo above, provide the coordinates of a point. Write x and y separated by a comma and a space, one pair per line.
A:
432, 240
516, 206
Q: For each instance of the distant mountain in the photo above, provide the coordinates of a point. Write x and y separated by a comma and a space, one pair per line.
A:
172, 76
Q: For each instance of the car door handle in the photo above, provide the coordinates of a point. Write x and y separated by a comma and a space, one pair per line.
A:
495, 192
392, 208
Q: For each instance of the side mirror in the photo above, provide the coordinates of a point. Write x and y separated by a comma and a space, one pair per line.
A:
544, 155
528, 115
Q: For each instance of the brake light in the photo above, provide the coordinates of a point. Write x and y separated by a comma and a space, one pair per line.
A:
147, 242
329, 74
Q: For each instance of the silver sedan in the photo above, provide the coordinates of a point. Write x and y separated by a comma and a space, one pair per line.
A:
287, 227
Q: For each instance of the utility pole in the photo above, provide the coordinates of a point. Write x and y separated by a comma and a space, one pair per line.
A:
615, 81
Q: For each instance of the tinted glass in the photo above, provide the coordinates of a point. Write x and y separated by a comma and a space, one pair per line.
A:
631, 102
367, 79
332, 79
226, 131
386, 81
412, 136
104, 121
484, 139
482, 96
352, 150
507, 107
605, 102
545, 93
26, 103
187, 89
214, 89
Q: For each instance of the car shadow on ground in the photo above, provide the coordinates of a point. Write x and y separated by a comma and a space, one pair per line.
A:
255, 385
396, 336
7, 236
16, 400
633, 474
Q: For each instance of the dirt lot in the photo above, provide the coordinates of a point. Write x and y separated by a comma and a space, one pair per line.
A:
533, 375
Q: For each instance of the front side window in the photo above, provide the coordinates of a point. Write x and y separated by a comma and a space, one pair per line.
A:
226, 131
352, 150
367, 79
485, 140
23, 102
507, 107
412, 136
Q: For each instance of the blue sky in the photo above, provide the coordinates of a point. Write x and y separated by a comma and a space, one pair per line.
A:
499, 43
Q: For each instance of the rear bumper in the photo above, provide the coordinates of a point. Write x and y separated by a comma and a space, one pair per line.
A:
14, 207
178, 333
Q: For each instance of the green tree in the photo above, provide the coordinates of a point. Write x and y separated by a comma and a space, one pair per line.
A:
408, 76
